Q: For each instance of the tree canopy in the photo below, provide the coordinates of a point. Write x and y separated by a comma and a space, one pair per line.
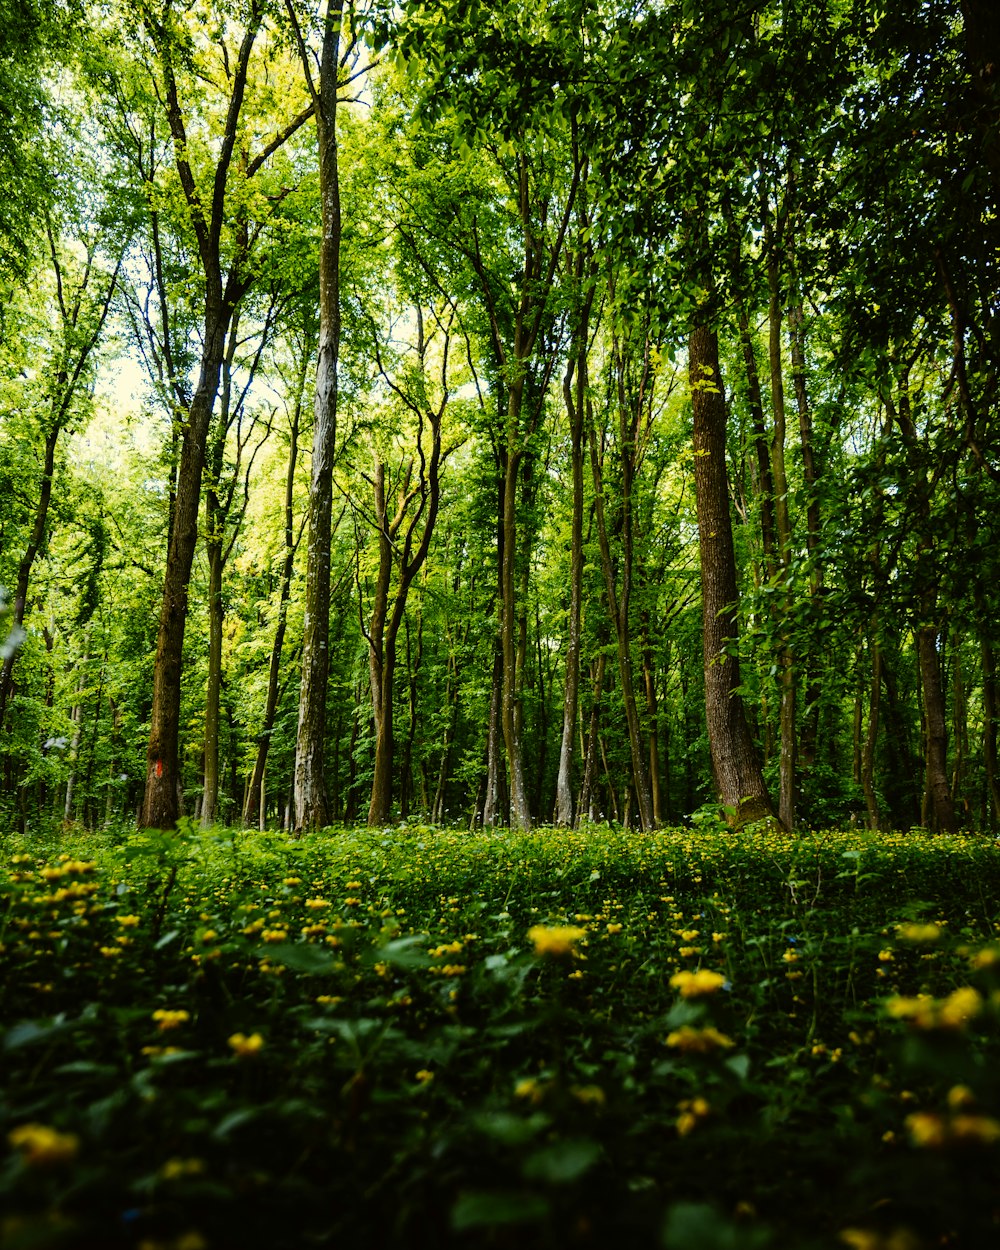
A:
500, 413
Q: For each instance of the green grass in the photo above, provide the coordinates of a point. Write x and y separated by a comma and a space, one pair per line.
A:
236, 1040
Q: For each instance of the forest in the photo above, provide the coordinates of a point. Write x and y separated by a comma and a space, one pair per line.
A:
499, 414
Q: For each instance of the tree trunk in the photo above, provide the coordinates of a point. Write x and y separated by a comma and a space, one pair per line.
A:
310, 789
35, 542
618, 607
520, 816
871, 740
496, 801
786, 660
162, 802
575, 407
254, 805
811, 475
935, 731
734, 760
990, 713
213, 688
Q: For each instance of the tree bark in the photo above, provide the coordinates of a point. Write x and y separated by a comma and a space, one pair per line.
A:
254, 807
935, 731
734, 759
311, 809
787, 742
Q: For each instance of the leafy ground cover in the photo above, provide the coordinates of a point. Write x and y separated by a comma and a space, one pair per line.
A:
414, 1037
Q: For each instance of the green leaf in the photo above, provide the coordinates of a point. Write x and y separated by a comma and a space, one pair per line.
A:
299, 956
477, 1209
562, 1162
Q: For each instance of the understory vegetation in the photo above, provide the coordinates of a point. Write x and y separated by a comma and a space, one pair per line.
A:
696, 1039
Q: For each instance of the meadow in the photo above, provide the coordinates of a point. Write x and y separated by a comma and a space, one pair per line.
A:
695, 1040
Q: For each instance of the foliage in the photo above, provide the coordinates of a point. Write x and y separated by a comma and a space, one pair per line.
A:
422, 1036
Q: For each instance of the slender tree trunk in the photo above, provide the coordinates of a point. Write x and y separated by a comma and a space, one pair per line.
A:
588, 788
618, 606
496, 801
935, 731
811, 477
254, 805
35, 542
311, 809
786, 660
213, 690
76, 718
871, 740
571, 691
734, 760
653, 713
990, 715
520, 816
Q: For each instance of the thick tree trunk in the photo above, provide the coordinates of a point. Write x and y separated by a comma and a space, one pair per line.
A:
734, 760
162, 802
310, 789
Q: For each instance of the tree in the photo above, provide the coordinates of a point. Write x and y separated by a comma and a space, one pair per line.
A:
217, 213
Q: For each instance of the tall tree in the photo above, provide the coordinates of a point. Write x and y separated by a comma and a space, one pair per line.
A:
215, 204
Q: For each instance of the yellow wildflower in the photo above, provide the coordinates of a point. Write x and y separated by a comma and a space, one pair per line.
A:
698, 1041
697, 984
975, 1128
316, 904
170, 1019
614, 928
960, 1097
959, 1008
246, 1047
42, 1147
555, 940
424, 1076
589, 1095
128, 922
692, 1112
926, 1129
275, 935
530, 1089
174, 1169
919, 934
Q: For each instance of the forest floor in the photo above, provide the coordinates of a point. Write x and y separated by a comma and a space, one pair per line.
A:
413, 1037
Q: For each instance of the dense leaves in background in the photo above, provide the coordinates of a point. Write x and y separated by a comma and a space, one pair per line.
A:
655, 425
